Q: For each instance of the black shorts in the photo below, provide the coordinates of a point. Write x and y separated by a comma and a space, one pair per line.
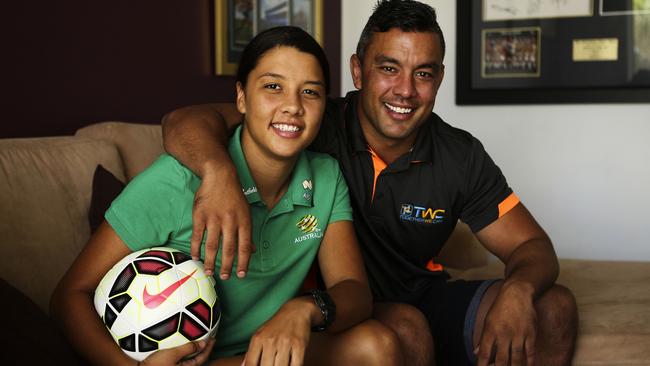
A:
451, 307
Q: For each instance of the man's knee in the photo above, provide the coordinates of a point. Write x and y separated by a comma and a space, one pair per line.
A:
376, 344
558, 312
411, 328
405, 320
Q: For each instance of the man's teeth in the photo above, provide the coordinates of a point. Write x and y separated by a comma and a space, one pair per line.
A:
286, 128
398, 109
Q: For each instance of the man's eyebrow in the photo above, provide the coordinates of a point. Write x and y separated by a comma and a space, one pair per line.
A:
381, 58
315, 82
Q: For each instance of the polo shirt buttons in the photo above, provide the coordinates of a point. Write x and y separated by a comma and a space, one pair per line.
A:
266, 244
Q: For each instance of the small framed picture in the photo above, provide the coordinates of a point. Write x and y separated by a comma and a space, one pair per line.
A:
512, 52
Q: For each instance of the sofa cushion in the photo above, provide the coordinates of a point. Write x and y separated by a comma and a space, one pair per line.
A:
28, 335
106, 187
45, 188
138, 144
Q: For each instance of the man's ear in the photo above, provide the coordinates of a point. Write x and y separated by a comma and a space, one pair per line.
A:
355, 70
441, 76
241, 98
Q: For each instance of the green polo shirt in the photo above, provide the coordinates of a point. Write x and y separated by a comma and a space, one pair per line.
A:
156, 209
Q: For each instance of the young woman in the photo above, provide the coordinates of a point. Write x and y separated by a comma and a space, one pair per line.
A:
300, 211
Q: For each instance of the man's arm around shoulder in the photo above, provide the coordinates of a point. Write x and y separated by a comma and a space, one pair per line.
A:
198, 137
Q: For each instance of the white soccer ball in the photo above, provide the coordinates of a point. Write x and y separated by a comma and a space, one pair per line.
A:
157, 298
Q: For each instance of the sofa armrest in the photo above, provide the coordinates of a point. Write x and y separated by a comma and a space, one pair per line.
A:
45, 190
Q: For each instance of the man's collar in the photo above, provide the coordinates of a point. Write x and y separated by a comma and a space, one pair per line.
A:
352, 123
422, 150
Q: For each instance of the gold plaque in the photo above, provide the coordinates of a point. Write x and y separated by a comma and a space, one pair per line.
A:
596, 49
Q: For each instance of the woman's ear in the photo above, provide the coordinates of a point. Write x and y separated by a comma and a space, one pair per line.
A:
241, 98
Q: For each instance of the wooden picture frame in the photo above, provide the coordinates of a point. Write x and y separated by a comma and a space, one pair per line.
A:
238, 21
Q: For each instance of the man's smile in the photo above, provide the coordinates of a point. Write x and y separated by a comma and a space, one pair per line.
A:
396, 109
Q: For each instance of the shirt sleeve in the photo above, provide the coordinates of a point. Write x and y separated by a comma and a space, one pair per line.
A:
486, 189
147, 211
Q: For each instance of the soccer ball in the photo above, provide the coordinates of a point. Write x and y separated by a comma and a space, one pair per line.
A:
157, 298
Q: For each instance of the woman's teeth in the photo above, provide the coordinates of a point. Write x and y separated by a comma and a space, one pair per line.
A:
285, 127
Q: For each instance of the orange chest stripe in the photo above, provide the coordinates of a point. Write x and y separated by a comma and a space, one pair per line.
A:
378, 166
434, 267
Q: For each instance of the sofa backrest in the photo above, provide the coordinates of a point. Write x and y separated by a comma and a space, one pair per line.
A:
45, 189
45, 192
138, 144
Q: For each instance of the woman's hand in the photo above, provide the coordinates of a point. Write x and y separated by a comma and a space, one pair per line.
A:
283, 339
177, 355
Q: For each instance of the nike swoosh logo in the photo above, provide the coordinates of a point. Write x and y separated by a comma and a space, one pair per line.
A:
153, 301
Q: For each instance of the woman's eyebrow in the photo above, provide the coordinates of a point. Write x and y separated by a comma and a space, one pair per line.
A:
272, 75
279, 76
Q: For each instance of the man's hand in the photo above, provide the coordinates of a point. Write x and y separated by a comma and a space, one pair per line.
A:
176, 356
282, 340
221, 208
510, 328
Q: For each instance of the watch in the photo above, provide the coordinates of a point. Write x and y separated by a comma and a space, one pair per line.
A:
327, 309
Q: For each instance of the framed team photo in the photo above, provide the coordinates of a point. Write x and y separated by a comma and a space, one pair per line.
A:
512, 52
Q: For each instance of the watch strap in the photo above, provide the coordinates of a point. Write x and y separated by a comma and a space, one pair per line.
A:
327, 309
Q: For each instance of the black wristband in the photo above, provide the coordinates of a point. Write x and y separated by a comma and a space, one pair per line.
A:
327, 309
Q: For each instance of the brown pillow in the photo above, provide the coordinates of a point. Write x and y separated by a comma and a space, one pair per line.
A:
106, 187
29, 336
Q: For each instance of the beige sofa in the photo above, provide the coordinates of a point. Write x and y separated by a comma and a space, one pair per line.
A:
45, 194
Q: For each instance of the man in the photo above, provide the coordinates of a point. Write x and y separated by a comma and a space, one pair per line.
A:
411, 177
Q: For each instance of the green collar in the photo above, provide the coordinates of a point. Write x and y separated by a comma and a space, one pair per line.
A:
300, 191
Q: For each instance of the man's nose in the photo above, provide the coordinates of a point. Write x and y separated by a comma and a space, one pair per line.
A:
405, 86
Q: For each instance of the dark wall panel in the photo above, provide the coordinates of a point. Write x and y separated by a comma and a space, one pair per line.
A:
69, 63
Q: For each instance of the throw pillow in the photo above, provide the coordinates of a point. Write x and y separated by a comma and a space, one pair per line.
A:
106, 187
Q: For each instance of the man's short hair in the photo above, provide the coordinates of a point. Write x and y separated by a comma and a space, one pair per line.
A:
407, 15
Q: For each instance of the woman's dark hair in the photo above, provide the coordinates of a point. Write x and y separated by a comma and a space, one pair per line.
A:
406, 15
288, 36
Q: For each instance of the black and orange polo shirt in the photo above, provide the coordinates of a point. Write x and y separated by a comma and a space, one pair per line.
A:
405, 211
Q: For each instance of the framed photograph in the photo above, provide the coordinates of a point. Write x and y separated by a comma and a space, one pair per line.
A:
510, 52
238, 21
552, 51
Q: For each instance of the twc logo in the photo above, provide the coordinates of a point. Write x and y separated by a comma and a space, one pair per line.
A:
308, 225
422, 215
